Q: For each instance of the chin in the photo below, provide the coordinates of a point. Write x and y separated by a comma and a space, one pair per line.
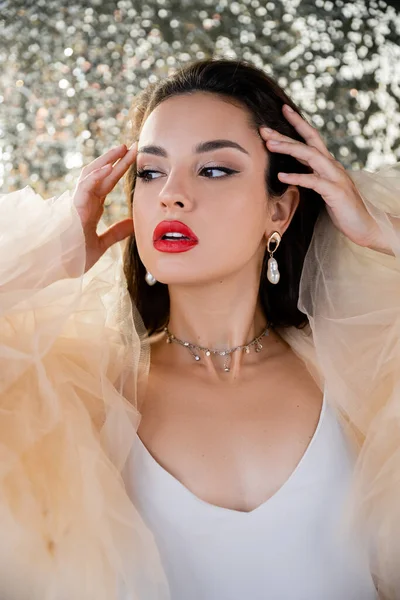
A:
192, 278
178, 279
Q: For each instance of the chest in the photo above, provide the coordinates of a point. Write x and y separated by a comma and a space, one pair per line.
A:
232, 447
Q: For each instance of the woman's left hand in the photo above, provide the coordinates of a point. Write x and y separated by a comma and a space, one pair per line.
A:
329, 179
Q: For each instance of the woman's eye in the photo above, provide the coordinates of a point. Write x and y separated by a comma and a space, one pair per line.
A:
209, 172
147, 174
221, 172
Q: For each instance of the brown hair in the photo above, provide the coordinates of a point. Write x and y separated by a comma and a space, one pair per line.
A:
251, 88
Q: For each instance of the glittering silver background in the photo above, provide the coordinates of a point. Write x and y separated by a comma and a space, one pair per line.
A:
69, 72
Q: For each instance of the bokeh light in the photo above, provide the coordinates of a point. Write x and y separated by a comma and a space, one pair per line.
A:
70, 71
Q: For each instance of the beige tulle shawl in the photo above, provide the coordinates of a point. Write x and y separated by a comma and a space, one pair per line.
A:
72, 357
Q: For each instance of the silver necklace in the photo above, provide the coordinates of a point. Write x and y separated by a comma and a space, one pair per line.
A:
195, 350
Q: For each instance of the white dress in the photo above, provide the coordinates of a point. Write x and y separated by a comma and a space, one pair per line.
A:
288, 548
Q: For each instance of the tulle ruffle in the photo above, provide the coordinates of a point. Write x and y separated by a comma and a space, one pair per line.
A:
70, 363
352, 298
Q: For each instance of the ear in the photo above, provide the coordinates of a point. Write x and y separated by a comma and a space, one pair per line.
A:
282, 209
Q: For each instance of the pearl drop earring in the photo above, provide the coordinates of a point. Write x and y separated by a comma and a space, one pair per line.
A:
150, 280
273, 274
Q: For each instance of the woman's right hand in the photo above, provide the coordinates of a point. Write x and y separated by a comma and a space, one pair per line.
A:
97, 180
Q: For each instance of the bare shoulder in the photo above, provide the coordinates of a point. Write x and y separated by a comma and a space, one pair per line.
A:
277, 379
288, 368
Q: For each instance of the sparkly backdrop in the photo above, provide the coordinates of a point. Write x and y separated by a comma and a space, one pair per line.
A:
69, 73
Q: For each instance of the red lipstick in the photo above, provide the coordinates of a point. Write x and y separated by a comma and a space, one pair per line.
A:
173, 236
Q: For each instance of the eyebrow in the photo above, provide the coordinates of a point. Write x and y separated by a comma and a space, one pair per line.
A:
199, 148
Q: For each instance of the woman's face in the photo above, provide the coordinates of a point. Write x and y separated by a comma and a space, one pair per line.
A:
201, 164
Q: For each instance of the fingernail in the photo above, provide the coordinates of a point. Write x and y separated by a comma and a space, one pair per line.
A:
267, 129
288, 108
273, 142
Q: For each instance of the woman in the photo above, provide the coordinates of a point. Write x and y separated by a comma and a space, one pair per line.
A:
240, 439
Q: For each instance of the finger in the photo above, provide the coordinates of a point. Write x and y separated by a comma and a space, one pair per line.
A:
270, 134
91, 181
267, 134
307, 132
324, 166
311, 181
121, 167
108, 158
116, 233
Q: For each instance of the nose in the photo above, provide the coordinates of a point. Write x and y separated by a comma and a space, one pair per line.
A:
172, 200
174, 195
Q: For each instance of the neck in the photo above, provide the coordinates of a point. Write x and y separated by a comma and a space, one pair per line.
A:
206, 320
220, 316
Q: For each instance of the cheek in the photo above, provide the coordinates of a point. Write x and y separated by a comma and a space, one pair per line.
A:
246, 219
235, 231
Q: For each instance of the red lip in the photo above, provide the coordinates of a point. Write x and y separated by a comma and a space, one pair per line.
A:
178, 245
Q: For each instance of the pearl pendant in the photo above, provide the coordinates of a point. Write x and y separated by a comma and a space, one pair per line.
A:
150, 280
273, 274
